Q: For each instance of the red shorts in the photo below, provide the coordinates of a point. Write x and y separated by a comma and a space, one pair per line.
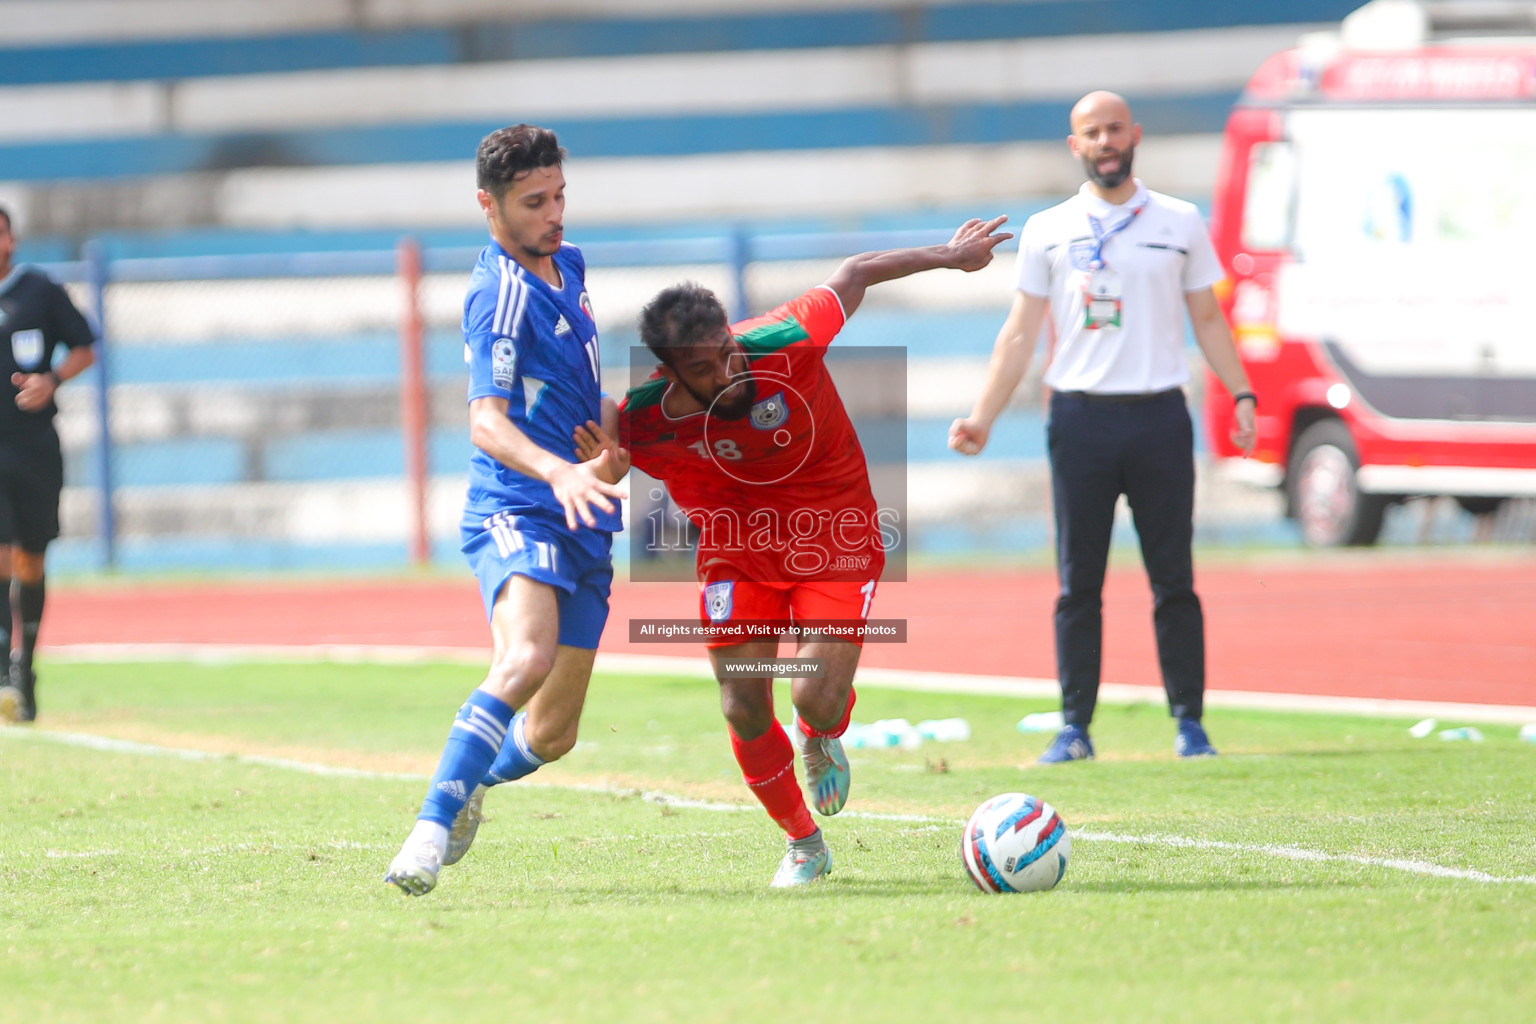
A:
834, 604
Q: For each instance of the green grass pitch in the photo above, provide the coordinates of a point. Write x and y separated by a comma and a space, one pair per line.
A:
140, 887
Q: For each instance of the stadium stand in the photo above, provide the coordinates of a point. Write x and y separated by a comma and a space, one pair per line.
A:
256, 421
358, 118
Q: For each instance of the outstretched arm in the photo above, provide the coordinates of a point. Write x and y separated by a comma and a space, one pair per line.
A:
1010, 359
970, 249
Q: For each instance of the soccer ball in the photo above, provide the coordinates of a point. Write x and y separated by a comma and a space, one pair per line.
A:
1015, 843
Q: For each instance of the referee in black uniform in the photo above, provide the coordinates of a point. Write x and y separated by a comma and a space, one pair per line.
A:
36, 318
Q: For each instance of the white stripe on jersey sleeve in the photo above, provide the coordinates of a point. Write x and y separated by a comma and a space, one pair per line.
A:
517, 298
515, 318
503, 289
836, 296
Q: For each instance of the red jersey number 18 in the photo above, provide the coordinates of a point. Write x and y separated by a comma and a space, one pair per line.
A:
725, 448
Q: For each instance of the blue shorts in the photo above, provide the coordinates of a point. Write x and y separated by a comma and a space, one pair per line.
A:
579, 565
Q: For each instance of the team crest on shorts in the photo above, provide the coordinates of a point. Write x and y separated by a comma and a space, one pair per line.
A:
717, 600
27, 347
1081, 254
503, 362
770, 412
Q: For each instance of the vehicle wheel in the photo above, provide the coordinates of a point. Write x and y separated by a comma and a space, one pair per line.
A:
1324, 491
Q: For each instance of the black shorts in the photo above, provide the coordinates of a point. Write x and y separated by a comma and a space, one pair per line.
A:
31, 477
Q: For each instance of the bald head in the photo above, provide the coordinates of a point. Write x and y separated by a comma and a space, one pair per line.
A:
1104, 138
1100, 106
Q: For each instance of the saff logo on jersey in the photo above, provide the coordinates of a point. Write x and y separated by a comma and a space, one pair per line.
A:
717, 600
770, 412
503, 362
1081, 254
27, 347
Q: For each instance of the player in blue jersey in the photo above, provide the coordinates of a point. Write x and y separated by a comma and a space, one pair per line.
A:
537, 525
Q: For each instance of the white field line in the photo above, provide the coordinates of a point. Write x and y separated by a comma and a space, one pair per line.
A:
1413, 867
222, 849
1023, 687
226, 849
116, 746
239, 654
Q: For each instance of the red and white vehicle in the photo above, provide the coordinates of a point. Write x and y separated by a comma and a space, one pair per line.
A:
1376, 215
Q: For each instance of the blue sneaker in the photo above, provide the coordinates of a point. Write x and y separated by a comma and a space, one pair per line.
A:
1071, 744
1191, 740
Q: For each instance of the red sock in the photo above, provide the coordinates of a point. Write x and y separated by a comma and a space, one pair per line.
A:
838, 729
768, 765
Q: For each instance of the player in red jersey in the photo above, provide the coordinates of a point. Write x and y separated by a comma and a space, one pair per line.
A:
744, 426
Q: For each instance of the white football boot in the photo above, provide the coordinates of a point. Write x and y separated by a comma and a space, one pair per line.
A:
800, 867
414, 869
827, 778
461, 834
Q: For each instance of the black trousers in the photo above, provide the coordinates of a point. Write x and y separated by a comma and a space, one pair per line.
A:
1142, 447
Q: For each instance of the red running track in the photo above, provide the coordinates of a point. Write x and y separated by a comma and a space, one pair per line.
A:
1373, 625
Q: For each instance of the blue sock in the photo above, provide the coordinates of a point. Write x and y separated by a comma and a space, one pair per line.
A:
476, 736
516, 758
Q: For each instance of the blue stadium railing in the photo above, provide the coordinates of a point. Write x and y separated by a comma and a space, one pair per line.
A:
351, 360
349, 365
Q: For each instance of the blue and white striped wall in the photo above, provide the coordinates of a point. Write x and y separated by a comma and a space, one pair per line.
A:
336, 117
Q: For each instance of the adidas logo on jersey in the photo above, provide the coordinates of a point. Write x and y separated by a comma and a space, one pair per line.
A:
561, 327
453, 787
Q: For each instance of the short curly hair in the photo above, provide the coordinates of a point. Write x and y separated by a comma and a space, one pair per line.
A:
509, 153
679, 318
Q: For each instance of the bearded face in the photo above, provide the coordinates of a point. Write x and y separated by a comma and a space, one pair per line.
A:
731, 401
1108, 167
1104, 138
715, 372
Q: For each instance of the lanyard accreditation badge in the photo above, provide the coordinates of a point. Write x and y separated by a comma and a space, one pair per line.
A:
1103, 290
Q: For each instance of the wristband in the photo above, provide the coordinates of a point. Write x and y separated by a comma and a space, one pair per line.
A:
1245, 394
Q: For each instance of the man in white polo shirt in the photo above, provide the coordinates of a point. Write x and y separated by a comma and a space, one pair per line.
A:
1116, 267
